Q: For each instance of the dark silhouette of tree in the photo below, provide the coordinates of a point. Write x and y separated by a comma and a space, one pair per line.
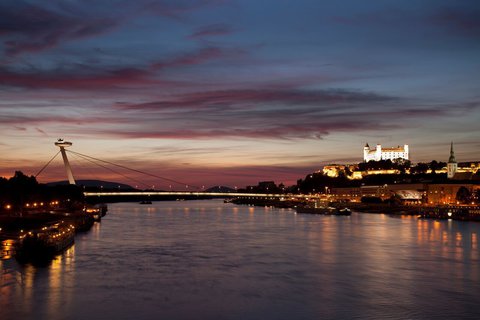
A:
419, 168
463, 195
434, 165
21, 189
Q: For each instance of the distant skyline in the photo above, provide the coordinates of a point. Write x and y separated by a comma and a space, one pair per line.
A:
235, 92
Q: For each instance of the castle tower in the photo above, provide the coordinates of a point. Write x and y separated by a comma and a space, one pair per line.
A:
452, 164
366, 150
378, 152
62, 145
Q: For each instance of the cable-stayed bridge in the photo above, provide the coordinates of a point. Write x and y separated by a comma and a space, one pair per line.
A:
149, 193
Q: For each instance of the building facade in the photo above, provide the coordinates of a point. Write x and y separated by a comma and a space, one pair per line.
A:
380, 153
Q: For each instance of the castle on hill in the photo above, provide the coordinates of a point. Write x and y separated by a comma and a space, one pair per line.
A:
454, 171
380, 153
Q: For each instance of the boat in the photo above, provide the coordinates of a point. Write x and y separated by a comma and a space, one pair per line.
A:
103, 208
82, 222
324, 210
94, 212
453, 212
46, 242
343, 212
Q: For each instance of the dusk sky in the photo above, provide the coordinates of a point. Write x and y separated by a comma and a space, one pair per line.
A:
235, 92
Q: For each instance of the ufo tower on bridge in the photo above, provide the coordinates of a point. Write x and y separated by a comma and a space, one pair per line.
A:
62, 145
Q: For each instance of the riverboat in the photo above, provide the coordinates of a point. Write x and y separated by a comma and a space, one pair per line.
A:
46, 242
458, 212
343, 212
94, 212
324, 210
103, 208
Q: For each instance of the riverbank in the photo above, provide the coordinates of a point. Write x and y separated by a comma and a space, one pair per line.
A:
356, 206
454, 212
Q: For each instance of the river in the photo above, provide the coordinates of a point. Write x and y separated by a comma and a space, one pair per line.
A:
210, 260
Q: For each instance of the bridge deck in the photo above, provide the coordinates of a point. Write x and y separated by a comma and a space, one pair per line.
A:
192, 193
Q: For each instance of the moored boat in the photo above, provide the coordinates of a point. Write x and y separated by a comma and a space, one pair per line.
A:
46, 242
324, 210
454, 212
94, 212
103, 208
343, 212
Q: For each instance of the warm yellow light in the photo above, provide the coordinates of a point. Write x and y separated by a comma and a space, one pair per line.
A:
8, 206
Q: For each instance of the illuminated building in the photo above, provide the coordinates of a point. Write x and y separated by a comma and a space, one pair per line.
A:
443, 193
333, 170
380, 153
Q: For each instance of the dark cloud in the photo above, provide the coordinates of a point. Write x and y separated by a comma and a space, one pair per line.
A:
461, 21
279, 114
282, 113
226, 98
91, 77
458, 20
30, 28
35, 119
198, 56
41, 131
27, 27
177, 9
219, 29
75, 79
271, 114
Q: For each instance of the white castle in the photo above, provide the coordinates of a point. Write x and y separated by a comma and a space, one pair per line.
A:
378, 153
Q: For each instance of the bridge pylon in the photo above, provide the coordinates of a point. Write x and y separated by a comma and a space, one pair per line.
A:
62, 144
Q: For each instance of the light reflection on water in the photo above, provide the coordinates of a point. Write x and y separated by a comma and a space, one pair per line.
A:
210, 260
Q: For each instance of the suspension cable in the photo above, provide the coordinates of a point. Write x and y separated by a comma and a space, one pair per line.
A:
110, 169
45, 166
135, 170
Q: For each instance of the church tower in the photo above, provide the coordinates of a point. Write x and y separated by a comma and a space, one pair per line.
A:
452, 164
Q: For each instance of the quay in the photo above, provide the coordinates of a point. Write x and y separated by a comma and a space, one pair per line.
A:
454, 212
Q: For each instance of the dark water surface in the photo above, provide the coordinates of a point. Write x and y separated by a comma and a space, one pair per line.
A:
210, 260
